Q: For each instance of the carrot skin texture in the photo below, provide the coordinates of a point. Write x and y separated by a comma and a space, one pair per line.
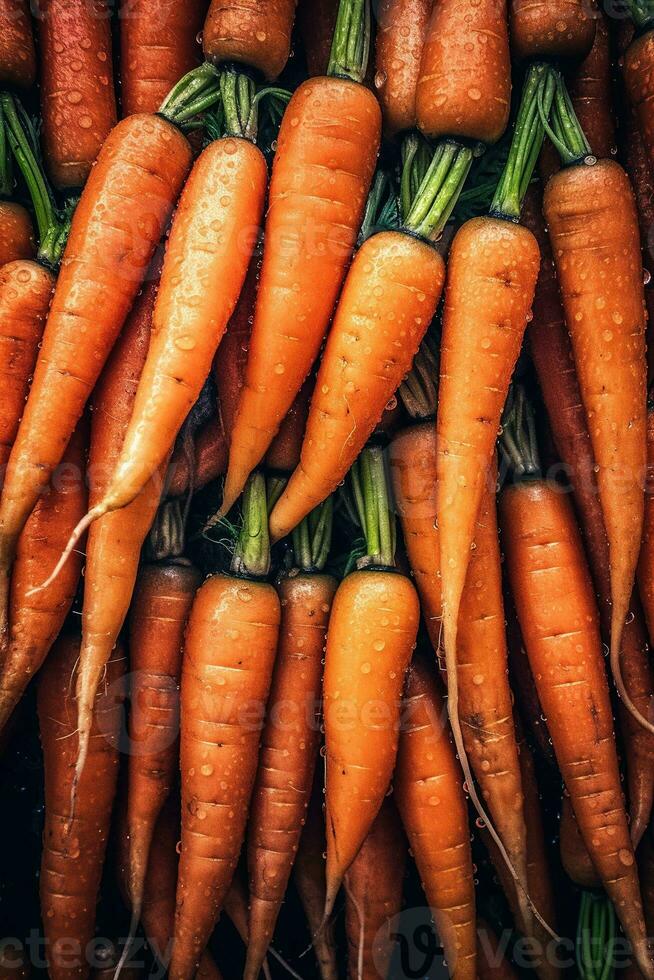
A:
231, 640
121, 216
544, 28
372, 632
575, 858
426, 760
35, 620
363, 364
639, 83
330, 131
162, 601
492, 273
17, 52
231, 357
373, 890
463, 92
556, 607
78, 104
25, 294
606, 320
401, 32
289, 749
256, 33
16, 233
211, 241
309, 878
158, 45
73, 851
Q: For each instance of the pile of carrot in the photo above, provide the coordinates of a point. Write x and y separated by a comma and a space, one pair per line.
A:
326, 489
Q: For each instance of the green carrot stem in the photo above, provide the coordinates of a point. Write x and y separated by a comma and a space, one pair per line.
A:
416, 157
6, 169
641, 12
252, 551
274, 488
351, 41
526, 142
563, 127
381, 207
167, 537
372, 498
518, 441
240, 103
419, 390
439, 190
22, 140
312, 538
193, 94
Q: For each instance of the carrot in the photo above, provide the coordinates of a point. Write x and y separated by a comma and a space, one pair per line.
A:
373, 889
591, 91
309, 878
326, 153
558, 616
231, 357
551, 351
284, 452
37, 617
401, 32
551, 28
162, 601
601, 278
209, 461
575, 858
78, 104
25, 293
17, 53
256, 33
74, 847
372, 631
637, 72
230, 647
16, 233
429, 794
121, 215
316, 20
158, 44
289, 743
396, 279
646, 560
464, 86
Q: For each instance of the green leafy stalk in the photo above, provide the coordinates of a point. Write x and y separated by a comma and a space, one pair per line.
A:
419, 390
351, 41
240, 103
526, 143
439, 190
52, 226
518, 442
6, 169
252, 552
371, 491
312, 538
563, 127
381, 207
641, 12
195, 93
416, 157
596, 934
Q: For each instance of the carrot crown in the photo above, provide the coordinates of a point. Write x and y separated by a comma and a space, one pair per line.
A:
194, 93
526, 142
240, 102
596, 935
167, 537
381, 207
641, 12
563, 127
427, 199
53, 225
372, 498
312, 538
518, 442
419, 390
252, 552
351, 41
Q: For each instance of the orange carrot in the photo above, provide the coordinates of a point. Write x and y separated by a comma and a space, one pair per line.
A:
158, 44
16, 233
78, 104
551, 28
289, 743
119, 220
231, 357
401, 33
17, 54
230, 648
74, 846
37, 617
575, 858
372, 631
591, 92
464, 87
558, 616
208, 461
25, 293
373, 889
284, 452
637, 73
323, 167
256, 33
600, 273
429, 793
